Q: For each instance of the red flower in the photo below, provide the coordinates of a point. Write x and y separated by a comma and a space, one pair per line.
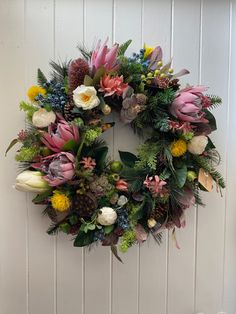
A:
122, 185
112, 85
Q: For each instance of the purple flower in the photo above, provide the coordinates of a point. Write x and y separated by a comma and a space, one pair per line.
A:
59, 168
188, 104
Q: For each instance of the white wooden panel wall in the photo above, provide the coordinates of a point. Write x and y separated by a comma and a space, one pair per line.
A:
41, 274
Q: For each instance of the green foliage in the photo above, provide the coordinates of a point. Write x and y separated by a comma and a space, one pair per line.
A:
42, 197
30, 109
181, 175
13, 143
127, 240
215, 101
206, 165
124, 47
83, 239
131, 71
41, 78
84, 52
59, 71
27, 153
91, 135
147, 155
128, 159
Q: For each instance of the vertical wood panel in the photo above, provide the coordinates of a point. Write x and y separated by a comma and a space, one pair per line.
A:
210, 237
153, 258
68, 34
98, 25
13, 251
39, 50
127, 25
230, 201
182, 262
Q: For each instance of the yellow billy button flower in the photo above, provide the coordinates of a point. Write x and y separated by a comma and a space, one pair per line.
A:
34, 91
148, 50
178, 148
60, 201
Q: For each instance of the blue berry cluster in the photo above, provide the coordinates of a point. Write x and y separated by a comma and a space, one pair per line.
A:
139, 58
122, 218
99, 235
56, 96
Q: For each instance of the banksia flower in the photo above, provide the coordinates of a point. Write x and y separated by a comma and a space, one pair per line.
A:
77, 70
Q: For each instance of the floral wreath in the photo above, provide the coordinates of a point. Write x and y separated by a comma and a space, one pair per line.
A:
64, 159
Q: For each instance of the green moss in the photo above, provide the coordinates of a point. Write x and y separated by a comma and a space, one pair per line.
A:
127, 240
27, 154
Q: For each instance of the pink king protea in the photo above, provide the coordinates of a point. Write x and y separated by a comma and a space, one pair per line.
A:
103, 56
59, 134
58, 168
188, 104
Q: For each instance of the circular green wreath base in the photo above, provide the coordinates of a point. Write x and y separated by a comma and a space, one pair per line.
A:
95, 199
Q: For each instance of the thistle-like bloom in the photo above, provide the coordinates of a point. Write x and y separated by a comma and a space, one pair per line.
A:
59, 134
112, 85
155, 185
188, 104
59, 168
103, 56
88, 163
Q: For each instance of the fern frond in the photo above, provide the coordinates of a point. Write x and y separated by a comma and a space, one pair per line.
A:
84, 51
41, 78
124, 47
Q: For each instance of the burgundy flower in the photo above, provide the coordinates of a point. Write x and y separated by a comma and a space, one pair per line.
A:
59, 134
188, 104
59, 168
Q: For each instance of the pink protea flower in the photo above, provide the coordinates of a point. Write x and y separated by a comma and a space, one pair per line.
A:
103, 56
155, 185
88, 163
188, 104
59, 134
112, 85
122, 185
59, 168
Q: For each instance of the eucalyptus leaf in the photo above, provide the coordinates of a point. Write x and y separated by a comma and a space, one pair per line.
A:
108, 229
13, 142
83, 239
128, 159
88, 81
181, 175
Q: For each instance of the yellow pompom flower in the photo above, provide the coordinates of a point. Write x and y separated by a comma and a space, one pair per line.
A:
60, 201
34, 91
148, 50
178, 148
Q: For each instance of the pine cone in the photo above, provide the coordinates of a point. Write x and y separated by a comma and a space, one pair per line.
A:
85, 204
68, 114
56, 216
77, 70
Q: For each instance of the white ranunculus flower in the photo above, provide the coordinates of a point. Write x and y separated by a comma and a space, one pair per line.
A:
85, 97
43, 118
31, 181
107, 216
197, 144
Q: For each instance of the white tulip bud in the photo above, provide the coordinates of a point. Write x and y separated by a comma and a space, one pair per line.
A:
107, 216
43, 118
31, 181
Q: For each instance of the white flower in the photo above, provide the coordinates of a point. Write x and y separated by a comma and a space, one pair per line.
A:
122, 200
197, 144
85, 97
107, 216
43, 118
31, 181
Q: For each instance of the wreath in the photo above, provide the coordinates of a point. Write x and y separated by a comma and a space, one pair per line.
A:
64, 159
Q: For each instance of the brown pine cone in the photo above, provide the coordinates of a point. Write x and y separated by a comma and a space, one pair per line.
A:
85, 204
